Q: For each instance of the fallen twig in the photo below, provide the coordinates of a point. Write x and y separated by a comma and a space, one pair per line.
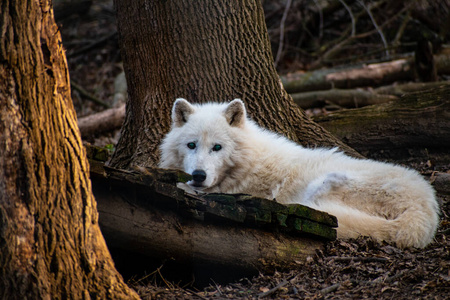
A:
195, 294
330, 289
381, 279
362, 259
277, 287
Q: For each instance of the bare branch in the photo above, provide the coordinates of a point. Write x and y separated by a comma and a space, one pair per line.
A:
349, 10
283, 20
383, 39
320, 19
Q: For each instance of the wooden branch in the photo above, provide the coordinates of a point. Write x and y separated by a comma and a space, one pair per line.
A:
355, 259
378, 29
143, 211
277, 287
281, 42
417, 119
338, 45
101, 122
366, 75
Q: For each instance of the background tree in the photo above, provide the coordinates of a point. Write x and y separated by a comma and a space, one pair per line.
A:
50, 242
202, 51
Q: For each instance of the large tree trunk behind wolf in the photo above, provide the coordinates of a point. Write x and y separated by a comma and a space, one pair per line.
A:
202, 51
51, 246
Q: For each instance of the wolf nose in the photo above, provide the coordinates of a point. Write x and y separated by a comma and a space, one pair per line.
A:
199, 175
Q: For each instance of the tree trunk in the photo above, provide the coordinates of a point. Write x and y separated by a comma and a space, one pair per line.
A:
202, 51
51, 246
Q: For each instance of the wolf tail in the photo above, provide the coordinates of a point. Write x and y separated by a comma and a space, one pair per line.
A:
413, 227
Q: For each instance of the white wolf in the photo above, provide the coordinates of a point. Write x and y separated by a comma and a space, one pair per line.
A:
228, 153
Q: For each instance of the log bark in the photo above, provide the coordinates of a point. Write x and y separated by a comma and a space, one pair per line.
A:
164, 235
143, 211
102, 122
367, 75
415, 120
410, 87
51, 246
202, 51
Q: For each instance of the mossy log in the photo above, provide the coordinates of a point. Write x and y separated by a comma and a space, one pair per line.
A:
415, 120
143, 211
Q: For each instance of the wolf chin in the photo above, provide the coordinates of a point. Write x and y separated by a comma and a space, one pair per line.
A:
227, 153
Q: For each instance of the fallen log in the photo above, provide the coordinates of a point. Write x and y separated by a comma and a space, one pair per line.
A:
441, 182
355, 98
416, 120
142, 211
352, 98
410, 87
105, 121
366, 75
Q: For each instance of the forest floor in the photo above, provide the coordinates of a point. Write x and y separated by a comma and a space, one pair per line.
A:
358, 268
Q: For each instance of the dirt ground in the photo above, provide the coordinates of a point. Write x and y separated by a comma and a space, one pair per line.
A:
358, 268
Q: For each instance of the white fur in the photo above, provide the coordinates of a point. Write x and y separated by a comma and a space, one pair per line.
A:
370, 198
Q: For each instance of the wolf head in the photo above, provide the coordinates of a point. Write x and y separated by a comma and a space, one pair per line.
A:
203, 140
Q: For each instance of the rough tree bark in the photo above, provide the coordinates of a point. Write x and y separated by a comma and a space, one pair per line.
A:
51, 246
202, 51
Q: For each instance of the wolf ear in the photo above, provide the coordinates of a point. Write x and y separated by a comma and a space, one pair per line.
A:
181, 111
235, 113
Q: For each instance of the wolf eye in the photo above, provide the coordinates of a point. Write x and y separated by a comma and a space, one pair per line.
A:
217, 147
191, 145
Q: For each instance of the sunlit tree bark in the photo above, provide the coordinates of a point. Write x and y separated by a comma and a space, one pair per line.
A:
51, 246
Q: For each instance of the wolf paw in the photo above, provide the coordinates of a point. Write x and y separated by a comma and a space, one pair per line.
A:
188, 189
